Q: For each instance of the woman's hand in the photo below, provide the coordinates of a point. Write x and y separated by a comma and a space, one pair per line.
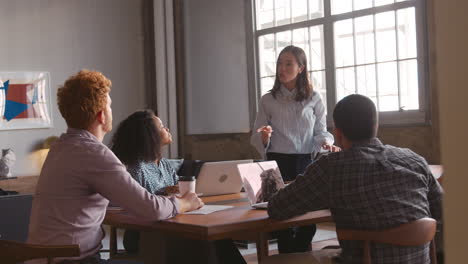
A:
331, 147
266, 133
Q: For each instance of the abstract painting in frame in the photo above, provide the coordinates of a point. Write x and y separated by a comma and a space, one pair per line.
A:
25, 100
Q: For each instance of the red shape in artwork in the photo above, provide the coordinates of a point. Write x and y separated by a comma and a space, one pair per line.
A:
19, 93
31, 112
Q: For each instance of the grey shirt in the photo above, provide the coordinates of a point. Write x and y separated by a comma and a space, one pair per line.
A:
298, 127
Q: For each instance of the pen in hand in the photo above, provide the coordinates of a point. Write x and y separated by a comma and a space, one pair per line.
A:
266, 133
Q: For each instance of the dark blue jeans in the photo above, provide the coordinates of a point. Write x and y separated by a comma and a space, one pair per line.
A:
96, 259
296, 239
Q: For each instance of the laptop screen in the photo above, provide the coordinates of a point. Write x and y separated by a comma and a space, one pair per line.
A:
261, 180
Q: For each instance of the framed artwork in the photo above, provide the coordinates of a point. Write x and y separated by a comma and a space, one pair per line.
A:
25, 100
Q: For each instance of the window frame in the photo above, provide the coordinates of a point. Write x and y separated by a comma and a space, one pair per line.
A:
390, 118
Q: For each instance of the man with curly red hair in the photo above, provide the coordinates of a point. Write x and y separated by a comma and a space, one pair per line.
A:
81, 175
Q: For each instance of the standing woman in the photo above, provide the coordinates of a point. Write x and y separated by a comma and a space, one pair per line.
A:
290, 128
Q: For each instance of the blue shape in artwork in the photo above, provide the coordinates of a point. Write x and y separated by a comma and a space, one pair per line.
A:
12, 109
35, 96
5, 87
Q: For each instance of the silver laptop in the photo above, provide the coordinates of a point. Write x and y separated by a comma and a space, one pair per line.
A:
261, 180
220, 177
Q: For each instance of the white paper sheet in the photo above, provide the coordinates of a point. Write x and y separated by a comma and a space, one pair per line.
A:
208, 209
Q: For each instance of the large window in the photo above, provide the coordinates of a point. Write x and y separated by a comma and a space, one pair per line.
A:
371, 47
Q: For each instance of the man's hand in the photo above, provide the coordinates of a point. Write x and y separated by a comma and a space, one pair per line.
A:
266, 133
189, 202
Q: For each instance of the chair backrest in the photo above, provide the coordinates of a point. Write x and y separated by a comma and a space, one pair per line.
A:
414, 233
12, 252
14, 221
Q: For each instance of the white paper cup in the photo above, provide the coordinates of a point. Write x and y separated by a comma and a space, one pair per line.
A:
186, 184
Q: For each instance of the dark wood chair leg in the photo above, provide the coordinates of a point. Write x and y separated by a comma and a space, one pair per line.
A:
262, 247
113, 242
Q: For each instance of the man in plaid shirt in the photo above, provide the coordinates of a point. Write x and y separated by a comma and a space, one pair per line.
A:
367, 186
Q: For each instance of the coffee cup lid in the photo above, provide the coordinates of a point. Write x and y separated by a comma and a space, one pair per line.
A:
186, 178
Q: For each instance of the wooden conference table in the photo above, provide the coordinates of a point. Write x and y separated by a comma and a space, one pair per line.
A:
240, 222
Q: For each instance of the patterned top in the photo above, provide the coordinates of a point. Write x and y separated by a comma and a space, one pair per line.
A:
370, 186
154, 177
298, 127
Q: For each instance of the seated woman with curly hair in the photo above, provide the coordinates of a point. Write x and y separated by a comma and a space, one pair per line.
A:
138, 142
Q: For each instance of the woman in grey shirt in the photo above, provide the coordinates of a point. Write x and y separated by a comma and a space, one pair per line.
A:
290, 128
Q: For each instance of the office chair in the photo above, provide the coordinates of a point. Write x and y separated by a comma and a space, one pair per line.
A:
12, 252
415, 233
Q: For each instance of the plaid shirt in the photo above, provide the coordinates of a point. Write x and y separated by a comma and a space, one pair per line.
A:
369, 187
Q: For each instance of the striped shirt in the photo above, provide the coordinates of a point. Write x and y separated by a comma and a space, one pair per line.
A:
298, 127
368, 187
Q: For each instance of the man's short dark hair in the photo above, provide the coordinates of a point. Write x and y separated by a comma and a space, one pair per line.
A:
356, 116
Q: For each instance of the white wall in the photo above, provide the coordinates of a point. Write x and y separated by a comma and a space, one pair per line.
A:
451, 58
217, 95
62, 37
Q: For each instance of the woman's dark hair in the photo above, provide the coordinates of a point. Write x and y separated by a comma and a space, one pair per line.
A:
356, 116
303, 85
137, 138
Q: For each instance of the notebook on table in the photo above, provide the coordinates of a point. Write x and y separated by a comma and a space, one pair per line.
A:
220, 177
261, 181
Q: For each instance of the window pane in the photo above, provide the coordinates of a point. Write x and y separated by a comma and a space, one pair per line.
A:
264, 13
388, 86
345, 84
341, 6
406, 33
319, 85
282, 12
366, 81
382, 2
266, 84
266, 47
361, 4
299, 10
301, 39
409, 85
386, 37
316, 8
344, 47
283, 39
317, 58
365, 49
